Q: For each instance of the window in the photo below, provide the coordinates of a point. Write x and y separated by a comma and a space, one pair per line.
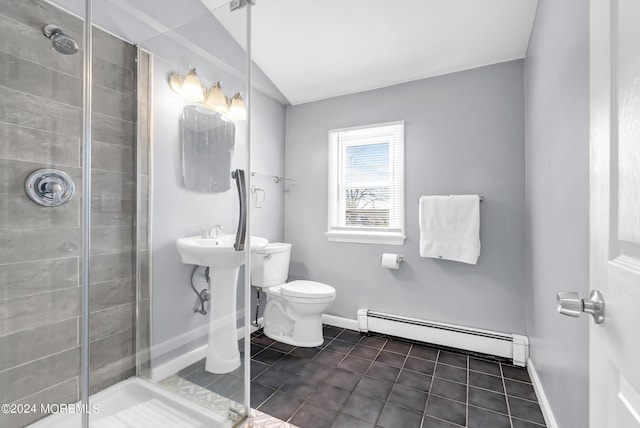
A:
366, 184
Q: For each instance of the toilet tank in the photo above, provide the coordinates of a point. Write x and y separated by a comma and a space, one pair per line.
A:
270, 265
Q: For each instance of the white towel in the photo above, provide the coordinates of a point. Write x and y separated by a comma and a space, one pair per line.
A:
450, 227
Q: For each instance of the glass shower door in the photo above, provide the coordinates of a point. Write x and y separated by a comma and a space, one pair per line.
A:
191, 311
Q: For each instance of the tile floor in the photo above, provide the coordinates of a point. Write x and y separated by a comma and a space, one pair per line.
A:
352, 381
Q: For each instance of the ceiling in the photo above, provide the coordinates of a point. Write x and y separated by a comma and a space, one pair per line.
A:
316, 49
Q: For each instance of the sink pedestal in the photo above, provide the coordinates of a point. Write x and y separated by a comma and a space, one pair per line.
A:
223, 355
224, 264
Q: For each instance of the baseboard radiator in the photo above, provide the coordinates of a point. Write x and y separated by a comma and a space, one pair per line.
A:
511, 346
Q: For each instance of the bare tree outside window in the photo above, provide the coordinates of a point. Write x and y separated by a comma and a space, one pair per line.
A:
363, 207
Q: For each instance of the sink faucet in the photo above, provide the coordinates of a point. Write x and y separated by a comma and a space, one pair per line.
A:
212, 232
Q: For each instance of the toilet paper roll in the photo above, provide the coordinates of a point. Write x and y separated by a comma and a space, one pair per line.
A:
390, 261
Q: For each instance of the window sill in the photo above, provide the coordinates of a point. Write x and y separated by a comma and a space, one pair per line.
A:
366, 237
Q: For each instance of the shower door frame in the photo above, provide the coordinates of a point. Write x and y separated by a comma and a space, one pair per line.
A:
87, 139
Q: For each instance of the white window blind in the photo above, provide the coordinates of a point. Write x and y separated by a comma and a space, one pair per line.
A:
366, 184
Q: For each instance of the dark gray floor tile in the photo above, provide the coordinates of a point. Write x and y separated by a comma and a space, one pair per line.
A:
486, 381
299, 386
343, 379
453, 359
346, 421
420, 365
373, 341
455, 374
312, 416
290, 363
373, 387
281, 405
447, 410
488, 367
383, 371
524, 409
451, 390
192, 368
408, 398
227, 386
488, 400
397, 347
202, 377
349, 336
519, 423
283, 347
430, 422
393, 416
354, 364
331, 332
268, 356
517, 373
481, 418
307, 353
424, 352
363, 407
329, 396
365, 352
259, 393
255, 348
273, 377
415, 380
520, 389
257, 367
340, 346
262, 340
314, 370
328, 357
396, 360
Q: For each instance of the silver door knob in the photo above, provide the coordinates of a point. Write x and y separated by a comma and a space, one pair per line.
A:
570, 304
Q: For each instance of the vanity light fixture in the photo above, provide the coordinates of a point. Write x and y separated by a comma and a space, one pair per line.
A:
237, 110
216, 100
189, 86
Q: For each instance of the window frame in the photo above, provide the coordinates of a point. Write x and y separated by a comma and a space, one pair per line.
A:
395, 233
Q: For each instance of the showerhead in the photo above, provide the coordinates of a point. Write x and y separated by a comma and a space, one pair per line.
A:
60, 41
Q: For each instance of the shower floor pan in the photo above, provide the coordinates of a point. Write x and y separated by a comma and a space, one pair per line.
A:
135, 403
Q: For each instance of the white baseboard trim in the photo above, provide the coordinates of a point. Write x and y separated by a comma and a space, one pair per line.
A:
513, 346
340, 322
549, 419
185, 360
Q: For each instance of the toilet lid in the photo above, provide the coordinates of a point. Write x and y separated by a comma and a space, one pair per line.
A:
309, 289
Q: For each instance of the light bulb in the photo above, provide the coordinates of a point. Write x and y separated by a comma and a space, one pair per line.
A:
191, 87
216, 100
237, 110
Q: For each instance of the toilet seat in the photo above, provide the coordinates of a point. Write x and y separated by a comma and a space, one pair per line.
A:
302, 291
307, 289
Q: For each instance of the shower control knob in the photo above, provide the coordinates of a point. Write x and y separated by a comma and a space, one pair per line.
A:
570, 304
49, 187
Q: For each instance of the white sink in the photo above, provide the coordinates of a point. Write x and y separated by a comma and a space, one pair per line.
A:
215, 252
224, 264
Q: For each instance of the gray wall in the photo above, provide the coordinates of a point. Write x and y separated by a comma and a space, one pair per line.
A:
178, 212
464, 133
40, 126
557, 121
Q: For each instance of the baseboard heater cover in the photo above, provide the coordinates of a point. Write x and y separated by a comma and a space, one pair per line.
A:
511, 346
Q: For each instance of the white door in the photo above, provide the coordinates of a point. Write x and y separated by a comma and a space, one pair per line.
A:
615, 212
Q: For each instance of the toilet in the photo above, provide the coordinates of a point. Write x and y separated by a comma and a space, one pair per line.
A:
293, 313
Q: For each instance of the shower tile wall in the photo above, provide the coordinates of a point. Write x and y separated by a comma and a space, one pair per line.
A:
40, 127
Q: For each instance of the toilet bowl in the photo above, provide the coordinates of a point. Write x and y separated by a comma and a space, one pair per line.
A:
293, 313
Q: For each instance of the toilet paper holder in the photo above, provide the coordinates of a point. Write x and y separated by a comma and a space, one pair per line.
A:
400, 258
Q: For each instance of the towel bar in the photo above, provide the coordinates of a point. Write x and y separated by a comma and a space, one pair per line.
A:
481, 199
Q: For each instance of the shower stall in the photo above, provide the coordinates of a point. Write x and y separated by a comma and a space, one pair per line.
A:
99, 322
